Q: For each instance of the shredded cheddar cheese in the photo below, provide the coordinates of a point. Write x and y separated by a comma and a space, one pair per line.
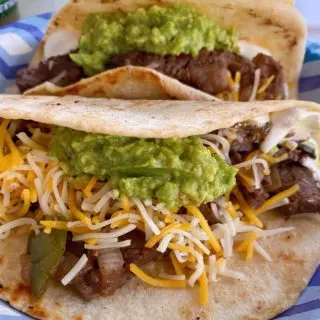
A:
180, 247
246, 209
61, 225
204, 224
231, 210
26, 204
246, 180
166, 230
125, 202
247, 245
76, 213
175, 263
87, 190
156, 282
264, 87
203, 289
277, 198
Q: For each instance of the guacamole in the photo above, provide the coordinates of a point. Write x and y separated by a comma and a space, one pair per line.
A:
160, 30
175, 171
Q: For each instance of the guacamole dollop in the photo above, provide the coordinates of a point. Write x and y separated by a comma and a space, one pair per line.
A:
159, 30
175, 171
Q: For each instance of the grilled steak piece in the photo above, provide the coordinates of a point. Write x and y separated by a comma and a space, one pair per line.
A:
208, 71
137, 253
60, 70
307, 199
249, 138
93, 281
208, 214
269, 67
256, 197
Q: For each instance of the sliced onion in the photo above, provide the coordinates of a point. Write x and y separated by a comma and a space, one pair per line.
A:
111, 263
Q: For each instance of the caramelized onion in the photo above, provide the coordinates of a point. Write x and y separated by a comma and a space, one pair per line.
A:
113, 275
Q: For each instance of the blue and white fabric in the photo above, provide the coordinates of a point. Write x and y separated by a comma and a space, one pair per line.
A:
19, 40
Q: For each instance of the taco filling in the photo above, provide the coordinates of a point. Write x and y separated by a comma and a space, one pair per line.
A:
104, 208
177, 41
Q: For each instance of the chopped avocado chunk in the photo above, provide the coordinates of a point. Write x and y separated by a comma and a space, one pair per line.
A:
46, 253
160, 30
175, 171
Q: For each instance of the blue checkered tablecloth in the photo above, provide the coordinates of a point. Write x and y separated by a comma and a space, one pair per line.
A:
18, 42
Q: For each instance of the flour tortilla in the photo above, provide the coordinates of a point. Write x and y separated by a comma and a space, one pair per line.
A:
270, 287
274, 25
140, 118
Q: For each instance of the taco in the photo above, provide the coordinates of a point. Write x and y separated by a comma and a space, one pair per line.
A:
187, 50
117, 209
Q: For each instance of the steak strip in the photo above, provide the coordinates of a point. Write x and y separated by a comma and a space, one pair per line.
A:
287, 173
207, 72
89, 283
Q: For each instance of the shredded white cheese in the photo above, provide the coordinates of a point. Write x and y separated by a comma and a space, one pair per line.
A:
105, 235
251, 162
163, 245
75, 270
196, 241
261, 251
257, 75
199, 269
214, 147
145, 216
224, 143
16, 223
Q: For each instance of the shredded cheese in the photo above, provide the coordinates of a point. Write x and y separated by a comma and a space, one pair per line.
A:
76, 213
146, 217
125, 202
277, 198
179, 247
105, 235
261, 251
254, 161
247, 245
231, 210
29, 142
196, 241
87, 190
17, 223
156, 238
164, 243
61, 225
224, 143
246, 209
203, 289
110, 244
204, 224
199, 269
26, 204
214, 147
264, 87
75, 270
257, 75
156, 282
175, 263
